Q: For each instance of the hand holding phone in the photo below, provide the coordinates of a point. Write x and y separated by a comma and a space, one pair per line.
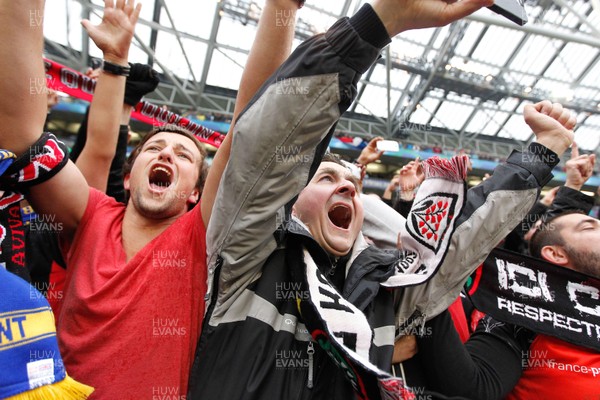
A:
511, 9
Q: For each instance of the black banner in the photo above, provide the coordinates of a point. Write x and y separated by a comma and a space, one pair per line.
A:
543, 297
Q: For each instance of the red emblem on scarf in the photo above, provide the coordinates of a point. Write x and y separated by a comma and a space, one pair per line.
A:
431, 218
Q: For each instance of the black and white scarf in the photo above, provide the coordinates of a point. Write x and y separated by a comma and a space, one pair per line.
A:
341, 328
540, 296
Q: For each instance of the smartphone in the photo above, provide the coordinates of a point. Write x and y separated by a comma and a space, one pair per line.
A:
514, 10
388, 145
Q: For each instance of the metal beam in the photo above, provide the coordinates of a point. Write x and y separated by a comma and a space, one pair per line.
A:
463, 129
581, 18
538, 30
85, 39
69, 58
434, 117
162, 28
364, 81
516, 71
547, 66
178, 36
478, 40
388, 69
154, 32
510, 115
505, 69
166, 71
587, 69
437, 108
442, 57
345, 8
413, 76
211, 47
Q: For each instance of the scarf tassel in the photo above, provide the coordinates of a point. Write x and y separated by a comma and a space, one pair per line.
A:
67, 389
454, 169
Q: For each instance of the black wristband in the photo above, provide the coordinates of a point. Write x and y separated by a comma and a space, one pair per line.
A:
115, 69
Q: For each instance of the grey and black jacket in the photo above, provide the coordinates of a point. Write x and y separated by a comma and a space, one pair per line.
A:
254, 343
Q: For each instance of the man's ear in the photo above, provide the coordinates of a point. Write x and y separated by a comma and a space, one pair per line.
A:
126, 181
555, 254
194, 196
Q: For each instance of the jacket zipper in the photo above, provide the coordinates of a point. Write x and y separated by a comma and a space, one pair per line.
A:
310, 351
333, 266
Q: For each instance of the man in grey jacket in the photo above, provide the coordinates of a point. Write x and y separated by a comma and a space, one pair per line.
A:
298, 304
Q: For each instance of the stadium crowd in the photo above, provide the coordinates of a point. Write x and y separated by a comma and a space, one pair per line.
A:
270, 275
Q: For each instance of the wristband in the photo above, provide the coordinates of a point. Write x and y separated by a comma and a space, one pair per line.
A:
115, 69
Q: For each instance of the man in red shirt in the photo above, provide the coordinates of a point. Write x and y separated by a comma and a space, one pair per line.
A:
561, 369
136, 282
136, 279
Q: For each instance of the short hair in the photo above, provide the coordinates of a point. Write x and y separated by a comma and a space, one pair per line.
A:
334, 158
203, 172
548, 234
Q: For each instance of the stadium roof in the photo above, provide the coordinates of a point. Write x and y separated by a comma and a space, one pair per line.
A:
461, 86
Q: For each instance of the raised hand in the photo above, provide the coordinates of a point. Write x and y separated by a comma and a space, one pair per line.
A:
370, 153
579, 168
551, 124
401, 15
549, 197
113, 35
411, 176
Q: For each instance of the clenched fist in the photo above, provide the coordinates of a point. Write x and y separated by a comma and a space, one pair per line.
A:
552, 125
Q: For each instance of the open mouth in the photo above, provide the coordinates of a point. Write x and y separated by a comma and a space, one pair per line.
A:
160, 178
340, 215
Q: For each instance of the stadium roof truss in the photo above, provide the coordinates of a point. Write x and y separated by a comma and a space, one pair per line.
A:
460, 86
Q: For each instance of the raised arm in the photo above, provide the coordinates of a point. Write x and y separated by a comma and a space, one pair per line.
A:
23, 111
272, 45
579, 168
280, 138
494, 208
113, 36
23, 100
65, 194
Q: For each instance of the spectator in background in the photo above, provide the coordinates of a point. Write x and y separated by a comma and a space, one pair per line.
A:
579, 169
490, 364
400, 192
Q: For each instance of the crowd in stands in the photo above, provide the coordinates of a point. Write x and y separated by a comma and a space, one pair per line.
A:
270, 275
213, 117
448, 152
